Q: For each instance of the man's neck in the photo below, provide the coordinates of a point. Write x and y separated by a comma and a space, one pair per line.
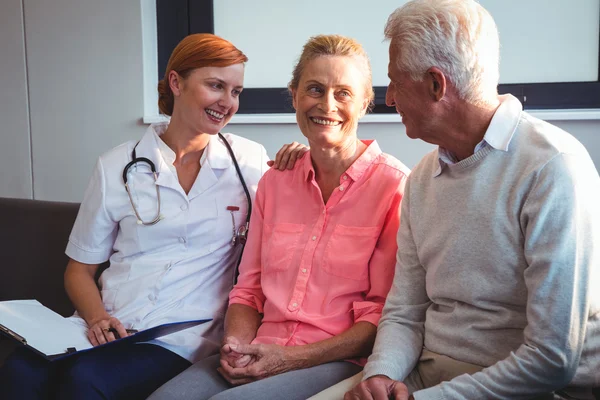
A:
465, 127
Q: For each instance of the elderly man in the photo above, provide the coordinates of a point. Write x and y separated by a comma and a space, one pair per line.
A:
497, 286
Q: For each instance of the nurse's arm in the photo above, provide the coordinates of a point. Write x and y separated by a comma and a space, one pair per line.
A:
85, 296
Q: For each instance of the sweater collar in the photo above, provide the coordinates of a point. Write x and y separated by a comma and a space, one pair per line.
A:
498, 135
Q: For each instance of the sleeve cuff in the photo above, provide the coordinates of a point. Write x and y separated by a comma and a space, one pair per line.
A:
367, 311
85, 256
378, 368
254, 304
432, 393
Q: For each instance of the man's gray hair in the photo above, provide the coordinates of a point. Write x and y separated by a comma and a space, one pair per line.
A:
458, 36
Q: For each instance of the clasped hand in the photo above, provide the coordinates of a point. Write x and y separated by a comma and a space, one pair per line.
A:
379, 387
245, 363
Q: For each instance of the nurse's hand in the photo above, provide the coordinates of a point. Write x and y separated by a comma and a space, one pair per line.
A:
287, 156
102, 331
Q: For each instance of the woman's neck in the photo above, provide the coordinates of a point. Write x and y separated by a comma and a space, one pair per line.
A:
330, 163
187, 144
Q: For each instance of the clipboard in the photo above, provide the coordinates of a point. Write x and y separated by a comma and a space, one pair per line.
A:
54, 337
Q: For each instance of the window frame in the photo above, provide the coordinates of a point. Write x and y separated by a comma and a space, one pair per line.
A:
178, 18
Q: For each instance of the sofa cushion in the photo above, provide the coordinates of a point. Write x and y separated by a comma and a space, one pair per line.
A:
33, 237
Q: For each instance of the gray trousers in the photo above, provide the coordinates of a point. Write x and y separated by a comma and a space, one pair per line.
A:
202, 381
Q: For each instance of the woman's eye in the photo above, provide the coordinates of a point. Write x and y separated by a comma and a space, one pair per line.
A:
344, 93
216, 86
314, 90
236, 92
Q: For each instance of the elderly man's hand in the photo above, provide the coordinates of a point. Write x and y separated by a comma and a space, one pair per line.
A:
379, 387
267, 360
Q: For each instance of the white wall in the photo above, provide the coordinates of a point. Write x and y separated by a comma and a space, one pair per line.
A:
85, 83
15, 158
84, 63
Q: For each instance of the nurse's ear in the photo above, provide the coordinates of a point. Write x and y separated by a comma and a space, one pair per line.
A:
175, 83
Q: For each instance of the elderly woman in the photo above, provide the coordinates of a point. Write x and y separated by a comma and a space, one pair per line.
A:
168, 236
321, 253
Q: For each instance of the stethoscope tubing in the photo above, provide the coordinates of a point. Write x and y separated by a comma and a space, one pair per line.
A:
158, 217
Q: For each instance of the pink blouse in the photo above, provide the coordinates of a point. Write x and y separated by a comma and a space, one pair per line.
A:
315, 269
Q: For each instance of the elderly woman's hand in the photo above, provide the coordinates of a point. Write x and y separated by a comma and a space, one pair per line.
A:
267, 360
234, 359
287, 156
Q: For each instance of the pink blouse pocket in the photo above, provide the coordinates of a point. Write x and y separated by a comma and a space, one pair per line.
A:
349, 251
280, 242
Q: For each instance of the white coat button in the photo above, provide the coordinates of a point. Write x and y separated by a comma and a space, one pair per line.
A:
184, 207
182, 239
151, 297
314, 238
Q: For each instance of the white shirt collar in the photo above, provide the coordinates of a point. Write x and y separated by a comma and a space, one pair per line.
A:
217, 154
499, 133
154, 148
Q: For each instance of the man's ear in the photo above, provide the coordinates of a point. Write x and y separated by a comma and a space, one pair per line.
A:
437, 83
175, 82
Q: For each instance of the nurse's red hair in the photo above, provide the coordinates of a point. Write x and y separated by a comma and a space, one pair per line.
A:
196, 51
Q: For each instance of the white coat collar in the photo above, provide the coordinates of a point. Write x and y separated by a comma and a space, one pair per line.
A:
216, 153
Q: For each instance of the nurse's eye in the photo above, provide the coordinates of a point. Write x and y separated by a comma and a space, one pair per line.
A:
236, 92
216, 85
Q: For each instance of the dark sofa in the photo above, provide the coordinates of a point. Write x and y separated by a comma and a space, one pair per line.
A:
33, 237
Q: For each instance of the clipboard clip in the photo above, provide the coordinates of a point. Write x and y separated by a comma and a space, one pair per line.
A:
13, 334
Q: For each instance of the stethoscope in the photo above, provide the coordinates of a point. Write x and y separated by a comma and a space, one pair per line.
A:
240, 235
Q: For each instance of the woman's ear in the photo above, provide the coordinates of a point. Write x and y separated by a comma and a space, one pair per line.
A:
294, 102
365, 107
175, 82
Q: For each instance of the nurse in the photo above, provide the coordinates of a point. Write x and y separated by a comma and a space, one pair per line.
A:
169, 237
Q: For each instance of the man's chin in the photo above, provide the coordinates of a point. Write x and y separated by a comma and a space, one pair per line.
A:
411, 133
